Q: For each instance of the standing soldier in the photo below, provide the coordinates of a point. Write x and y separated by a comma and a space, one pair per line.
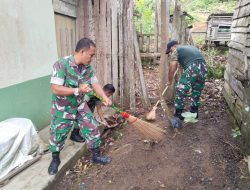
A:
193, 77
72, 78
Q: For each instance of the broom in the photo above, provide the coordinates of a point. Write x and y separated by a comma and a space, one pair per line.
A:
151, 116
149, 130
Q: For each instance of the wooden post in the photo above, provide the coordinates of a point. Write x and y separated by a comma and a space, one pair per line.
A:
130, 55
159, 18
109, 39
140, 42
129, 67
97, 37
121, 52
80, 20
114, 8
164, 38
126, 62
142, 85
102, 72
156, 27
91, 26
176, 21
176, 36
86, 18
148, 44
91, 20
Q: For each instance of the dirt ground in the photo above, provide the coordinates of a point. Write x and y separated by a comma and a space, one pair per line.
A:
199, 156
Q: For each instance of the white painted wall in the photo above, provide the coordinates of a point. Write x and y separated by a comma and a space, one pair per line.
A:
27, 40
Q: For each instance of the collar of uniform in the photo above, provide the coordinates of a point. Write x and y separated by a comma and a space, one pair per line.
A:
72, 62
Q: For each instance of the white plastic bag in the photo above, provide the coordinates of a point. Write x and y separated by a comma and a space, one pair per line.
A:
18, 137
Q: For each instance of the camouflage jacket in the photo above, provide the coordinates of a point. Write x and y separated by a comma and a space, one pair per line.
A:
67, 73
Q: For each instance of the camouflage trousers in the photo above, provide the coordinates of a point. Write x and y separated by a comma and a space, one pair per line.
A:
192, 79
60, 128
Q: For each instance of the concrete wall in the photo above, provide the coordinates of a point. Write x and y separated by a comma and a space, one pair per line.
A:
27, 52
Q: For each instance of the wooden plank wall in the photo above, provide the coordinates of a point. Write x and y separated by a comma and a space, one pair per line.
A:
237, 75
110, 24
179, 24
65, 34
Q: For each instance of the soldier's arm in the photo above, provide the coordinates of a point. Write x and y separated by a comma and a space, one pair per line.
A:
58, 79
66, 91
62, 90
172, 69
172, 66
100, 112
98, 89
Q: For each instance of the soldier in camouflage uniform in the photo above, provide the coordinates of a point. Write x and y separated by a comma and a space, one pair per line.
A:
193, 77
72, 78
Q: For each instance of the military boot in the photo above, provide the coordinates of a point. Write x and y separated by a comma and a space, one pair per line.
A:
53, 167
177, 120
97, 158
75, 136
194, 109
178, 113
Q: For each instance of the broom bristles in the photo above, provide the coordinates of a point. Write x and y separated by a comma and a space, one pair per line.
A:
151, 115
147, 129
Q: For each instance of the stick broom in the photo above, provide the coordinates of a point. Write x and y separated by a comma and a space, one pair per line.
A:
151, 116
149, 130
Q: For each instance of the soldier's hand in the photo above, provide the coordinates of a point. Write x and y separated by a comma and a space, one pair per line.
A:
84, 88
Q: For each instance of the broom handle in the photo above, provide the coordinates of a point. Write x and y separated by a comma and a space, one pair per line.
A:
165, 89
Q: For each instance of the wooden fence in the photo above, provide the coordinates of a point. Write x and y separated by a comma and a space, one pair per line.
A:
148, 43
110, 24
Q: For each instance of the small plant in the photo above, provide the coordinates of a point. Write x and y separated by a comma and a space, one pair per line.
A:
236, 132
199, 41
216, 72
216, 68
